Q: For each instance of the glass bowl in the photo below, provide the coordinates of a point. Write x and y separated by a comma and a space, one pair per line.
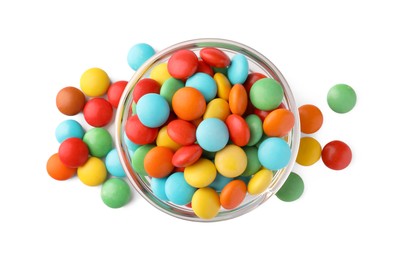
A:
257, 63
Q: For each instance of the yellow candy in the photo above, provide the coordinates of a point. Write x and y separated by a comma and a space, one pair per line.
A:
217, 108
93, 172
206, 203
200, 174
231, 161
259, 182
223, 85
160, 73
309, 151
163, 139
94, 82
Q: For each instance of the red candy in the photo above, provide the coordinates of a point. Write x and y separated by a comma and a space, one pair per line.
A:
115, 92
145, 86
238, 130
182, 64
182, 132
139, 133
205, 68
215, 57
98, 112
187, 155
336, 155
73, 152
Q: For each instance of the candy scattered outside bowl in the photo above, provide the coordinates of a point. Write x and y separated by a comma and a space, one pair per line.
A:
203, 93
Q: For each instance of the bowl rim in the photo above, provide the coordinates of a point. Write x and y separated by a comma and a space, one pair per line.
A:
231, 46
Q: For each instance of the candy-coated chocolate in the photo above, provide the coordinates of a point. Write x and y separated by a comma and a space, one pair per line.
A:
214, 57
188, 103
238, 69
57, 170
187, 155
98, 112
336, 155
238, 130
115, 193
70, 101
73, 152
238, 99
233, 194
182, 132
139, 133
260, 182
145, 86
93, 172
139, 54
182, 64
115, 91
223, 85
158, 162
309, 151
217, 108
266, 94
201, 173
279, 122
206, 203
231, 161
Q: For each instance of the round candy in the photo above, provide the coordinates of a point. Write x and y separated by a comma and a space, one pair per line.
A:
137, 159
93, 172
67, 129
94, 82
266, 94
98, 112
238, 69
182, 64
231, 161
152, 110
113, 164
115, 91
206, 203
158, 188
187, 155
238, 130
279, 122
204, 68
223, 86
336, 155
164, 140
311, 119
214, 57
157, 162
188, 103
99, 141
292, 189
73, 152
70, 101
219, 182
255, 125
341, 98
115, 193
200, 174
212, 134
160, 73
182, 132
251, 79
145, 86
169, 88
233, 194
204, 83
238, 99
57, 170
139, 54
274, 153
139, 133
217, 108
178, 190
309, 151
253, 163
260, 182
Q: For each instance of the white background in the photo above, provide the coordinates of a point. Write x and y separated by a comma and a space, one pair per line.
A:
356, 213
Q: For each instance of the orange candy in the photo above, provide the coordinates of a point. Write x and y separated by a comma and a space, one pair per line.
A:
311, 119
57, 170
238, 99
233, 194
188, 103
157, 162
279, 122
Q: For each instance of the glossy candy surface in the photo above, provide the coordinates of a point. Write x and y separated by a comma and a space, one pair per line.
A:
336, 155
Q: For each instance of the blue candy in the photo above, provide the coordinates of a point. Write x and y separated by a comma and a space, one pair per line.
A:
204, 83
178, 190
158, 188
152, 110
113, 164
219, 182
212, 134
238, 69
274, 153
139, 54
67, 129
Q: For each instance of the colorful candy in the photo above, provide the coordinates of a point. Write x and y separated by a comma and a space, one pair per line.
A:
115, 91
178, 190
73, 152
274, 153
212, 134
70, 101
182, 64
139, 54
336, 155
233, 194
99, 142
114, 166
341, 98
200, 174
278, 123
292, 189
93, 172
311, 118
260, 182
204, 83
152, 110
98, 112
266, 94
231, 161
188, 103
58, 170
94, 82
67, 129
206, 203
309, 151
115, 193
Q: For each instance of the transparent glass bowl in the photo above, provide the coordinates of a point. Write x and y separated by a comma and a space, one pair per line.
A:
257, 63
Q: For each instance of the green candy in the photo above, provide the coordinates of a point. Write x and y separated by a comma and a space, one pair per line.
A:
341, 98
253, 164
220, 70
266, 94
115, 193
169, 87
292, 189
255, 125
99, 141
138, 159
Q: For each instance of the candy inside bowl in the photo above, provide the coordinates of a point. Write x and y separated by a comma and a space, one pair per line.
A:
207, 130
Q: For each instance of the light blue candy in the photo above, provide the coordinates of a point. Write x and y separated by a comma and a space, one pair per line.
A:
212, 134
113, 164
274, 153
158, 188
152, 110
67, 129
139, 54
238, 69
204, 83
131, 145
178, 190
219, 182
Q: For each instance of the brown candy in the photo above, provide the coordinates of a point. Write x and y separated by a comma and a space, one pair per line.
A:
70, 101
